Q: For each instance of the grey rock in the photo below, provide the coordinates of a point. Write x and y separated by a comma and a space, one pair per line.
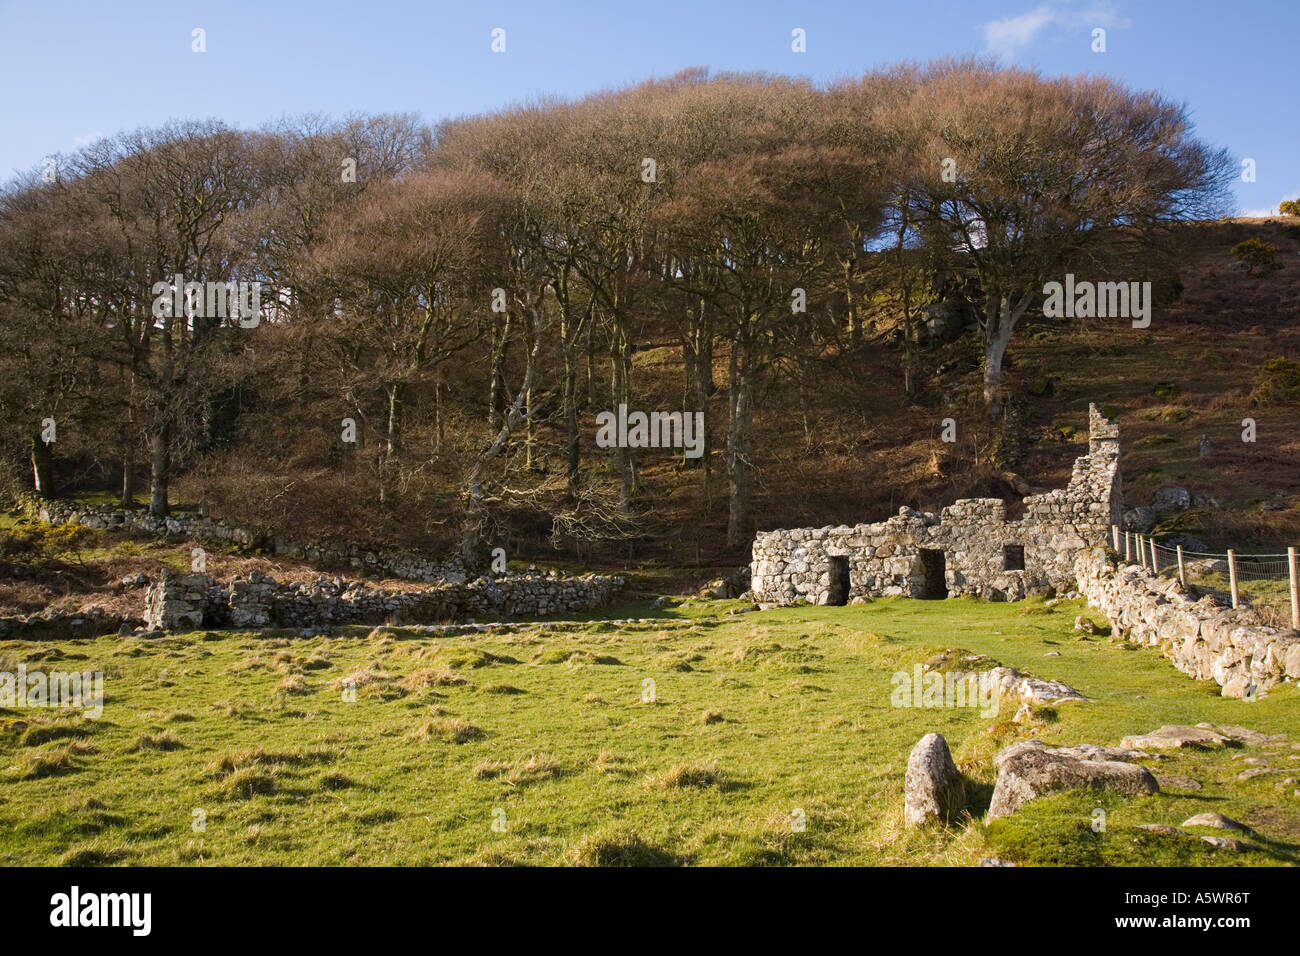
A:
1244, 734
1139, 520
934, 790
1027, 772
1175, 736
1171, 499
1217, 820
1227, 843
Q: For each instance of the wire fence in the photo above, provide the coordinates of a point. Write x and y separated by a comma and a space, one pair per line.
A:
1267, 583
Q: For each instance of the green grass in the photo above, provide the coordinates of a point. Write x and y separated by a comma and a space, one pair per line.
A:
545, 746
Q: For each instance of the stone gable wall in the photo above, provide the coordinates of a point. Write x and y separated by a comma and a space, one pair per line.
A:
885, 558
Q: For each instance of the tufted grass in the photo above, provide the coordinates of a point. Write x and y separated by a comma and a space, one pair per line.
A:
765, 739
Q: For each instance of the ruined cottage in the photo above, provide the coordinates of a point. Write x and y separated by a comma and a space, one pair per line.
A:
967, 548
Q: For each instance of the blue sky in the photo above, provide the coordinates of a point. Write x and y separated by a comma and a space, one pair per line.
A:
73, 71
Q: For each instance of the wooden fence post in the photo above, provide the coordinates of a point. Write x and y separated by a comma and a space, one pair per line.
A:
1114, 536
1232, 576
1295, 590
1155, 562
1128, 548
1182, 576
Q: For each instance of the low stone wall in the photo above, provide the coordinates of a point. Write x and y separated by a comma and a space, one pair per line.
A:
186, 602
406, 565
56, 624
1203, 639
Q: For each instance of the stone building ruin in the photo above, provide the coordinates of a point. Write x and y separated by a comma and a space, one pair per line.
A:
968, 548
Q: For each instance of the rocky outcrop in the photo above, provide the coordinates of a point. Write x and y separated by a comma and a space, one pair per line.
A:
1176, 737
1218, 821
1030, 688
1030, 770
186, 602
1203, 639
934, 789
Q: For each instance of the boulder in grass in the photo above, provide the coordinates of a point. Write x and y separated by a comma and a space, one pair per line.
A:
934, 789
1218, 821
1030, 770
1175, 737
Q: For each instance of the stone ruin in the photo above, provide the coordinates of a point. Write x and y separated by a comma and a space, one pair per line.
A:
186, 602
969, 548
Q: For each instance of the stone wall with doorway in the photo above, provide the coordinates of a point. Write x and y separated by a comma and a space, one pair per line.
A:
969, 547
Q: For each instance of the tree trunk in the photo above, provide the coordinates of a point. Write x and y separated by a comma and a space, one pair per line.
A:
437, 417
497, 400
471, 542
396, 402
572, 451
128, 476
1001, 321
159, 468
42, 467
619, 390
740, 420
530, 432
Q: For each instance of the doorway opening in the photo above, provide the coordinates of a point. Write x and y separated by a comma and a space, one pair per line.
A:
1013, 557
934, 567
839, 587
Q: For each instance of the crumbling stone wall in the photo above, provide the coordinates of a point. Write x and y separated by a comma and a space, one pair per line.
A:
54, 624
186, 602
1204, 639
901, 556
405, 565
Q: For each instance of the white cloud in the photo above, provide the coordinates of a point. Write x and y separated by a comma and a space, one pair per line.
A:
1007, 36
87, 139
1271, 210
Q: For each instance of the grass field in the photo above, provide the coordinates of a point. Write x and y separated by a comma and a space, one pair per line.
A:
766, 738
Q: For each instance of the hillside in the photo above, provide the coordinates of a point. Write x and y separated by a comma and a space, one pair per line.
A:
836, 440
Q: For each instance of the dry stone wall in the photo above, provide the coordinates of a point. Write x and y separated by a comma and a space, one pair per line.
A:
968, 548
405, 565
63, 623
1203, 639
186, 602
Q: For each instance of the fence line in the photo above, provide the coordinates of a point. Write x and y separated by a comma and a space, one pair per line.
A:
1267, 580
